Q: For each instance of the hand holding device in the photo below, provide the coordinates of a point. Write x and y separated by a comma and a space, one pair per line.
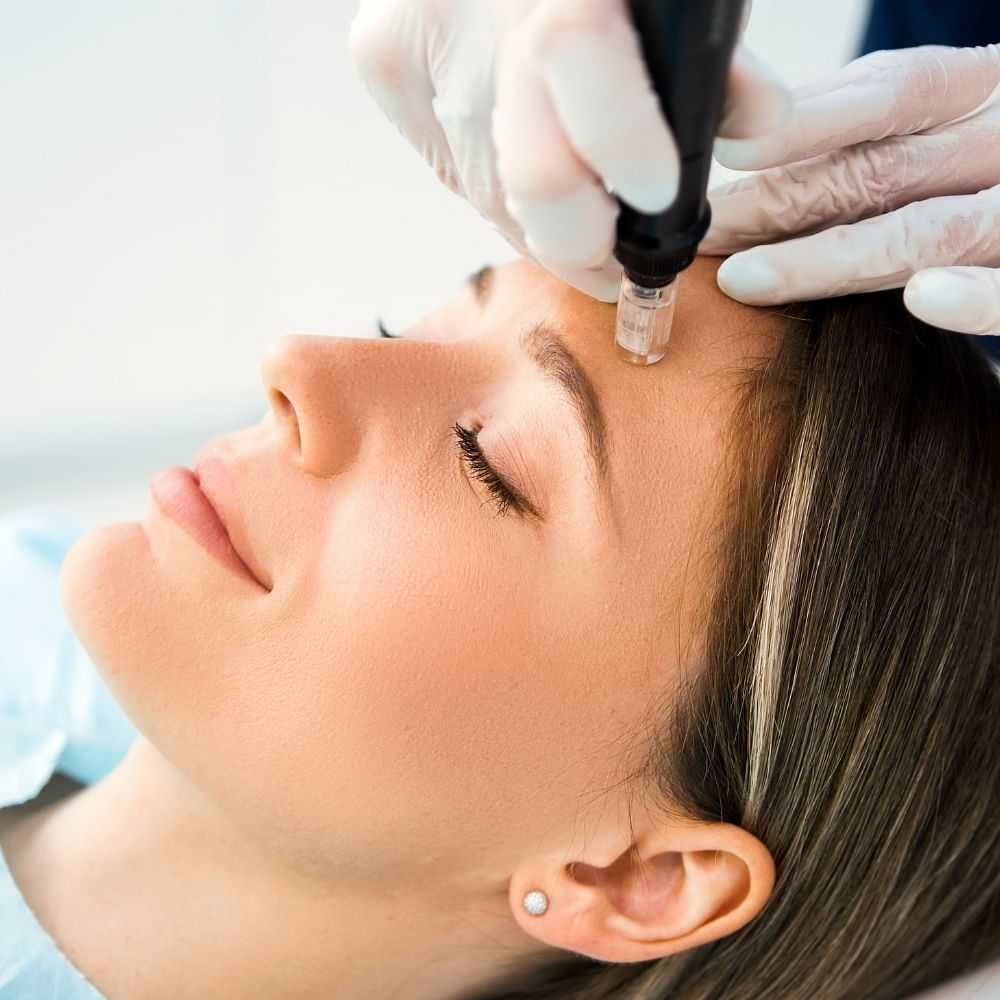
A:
888, 174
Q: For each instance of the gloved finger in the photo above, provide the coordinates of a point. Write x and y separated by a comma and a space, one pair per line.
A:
564, 211
964, 299
589, 57
757, 101
379, 42
468, 139
576, 231
878, 95
884, 252
845, 186
601, 282
592, 63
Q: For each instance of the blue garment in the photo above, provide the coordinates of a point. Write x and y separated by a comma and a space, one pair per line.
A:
56, 714
902, 24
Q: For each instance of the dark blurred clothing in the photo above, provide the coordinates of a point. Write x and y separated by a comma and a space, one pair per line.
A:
902, 24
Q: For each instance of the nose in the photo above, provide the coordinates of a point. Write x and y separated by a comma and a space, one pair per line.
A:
327, 393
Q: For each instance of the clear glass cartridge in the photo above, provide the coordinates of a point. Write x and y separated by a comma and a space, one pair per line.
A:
645, 319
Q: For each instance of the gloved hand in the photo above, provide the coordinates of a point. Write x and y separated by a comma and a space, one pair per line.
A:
908, 141
530, 109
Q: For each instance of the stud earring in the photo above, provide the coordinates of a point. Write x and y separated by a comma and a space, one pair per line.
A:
536, 902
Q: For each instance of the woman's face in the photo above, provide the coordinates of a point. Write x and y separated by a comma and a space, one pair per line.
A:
425, 684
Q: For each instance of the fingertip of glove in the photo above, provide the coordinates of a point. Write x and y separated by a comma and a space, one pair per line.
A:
577, 229
950, 299
749, 278
607, 291
601, 283
740, 154
761, 102
651, 193
772, 111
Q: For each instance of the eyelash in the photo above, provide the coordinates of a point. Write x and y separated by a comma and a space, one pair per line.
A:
501, 495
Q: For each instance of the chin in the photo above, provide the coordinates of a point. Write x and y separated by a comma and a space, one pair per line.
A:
98, 588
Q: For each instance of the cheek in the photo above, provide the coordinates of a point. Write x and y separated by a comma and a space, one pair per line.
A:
381, 691
409, 651
433, 683
404, 700
456, 678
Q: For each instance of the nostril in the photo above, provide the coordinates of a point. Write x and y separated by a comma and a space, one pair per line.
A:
285, 413
279, 401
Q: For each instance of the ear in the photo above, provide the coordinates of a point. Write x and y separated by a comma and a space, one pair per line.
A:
665, 893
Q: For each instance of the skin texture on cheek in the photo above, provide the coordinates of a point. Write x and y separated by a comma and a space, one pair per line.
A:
430, 691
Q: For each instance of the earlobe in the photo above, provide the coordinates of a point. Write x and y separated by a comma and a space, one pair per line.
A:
669, 892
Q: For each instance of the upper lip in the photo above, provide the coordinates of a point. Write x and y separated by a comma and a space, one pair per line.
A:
216, 483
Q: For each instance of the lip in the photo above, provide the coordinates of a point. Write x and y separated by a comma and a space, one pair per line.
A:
215, 482
181, 495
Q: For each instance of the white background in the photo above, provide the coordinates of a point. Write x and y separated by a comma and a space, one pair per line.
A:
182, 183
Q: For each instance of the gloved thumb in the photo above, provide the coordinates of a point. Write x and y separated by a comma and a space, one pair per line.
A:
963, 299
758, 102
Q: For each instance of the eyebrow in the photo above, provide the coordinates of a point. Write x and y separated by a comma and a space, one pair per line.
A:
556, 362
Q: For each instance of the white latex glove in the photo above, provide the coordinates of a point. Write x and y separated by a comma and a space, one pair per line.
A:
908, 141
533, 109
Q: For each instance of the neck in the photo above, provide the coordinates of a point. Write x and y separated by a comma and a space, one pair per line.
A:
151, 893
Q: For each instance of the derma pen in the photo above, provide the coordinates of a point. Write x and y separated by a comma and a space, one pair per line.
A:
688, 49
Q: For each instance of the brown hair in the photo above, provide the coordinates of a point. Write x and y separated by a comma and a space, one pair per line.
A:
848, 714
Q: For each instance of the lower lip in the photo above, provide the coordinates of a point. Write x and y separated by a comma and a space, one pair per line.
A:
178, 495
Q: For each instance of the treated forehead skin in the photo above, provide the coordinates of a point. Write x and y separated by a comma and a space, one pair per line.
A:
652, 554
668, 424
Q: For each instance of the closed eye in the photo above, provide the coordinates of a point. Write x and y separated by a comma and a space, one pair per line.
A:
502, 494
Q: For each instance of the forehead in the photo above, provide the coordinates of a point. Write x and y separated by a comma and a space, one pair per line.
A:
710, 329
669, 429
667, 423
